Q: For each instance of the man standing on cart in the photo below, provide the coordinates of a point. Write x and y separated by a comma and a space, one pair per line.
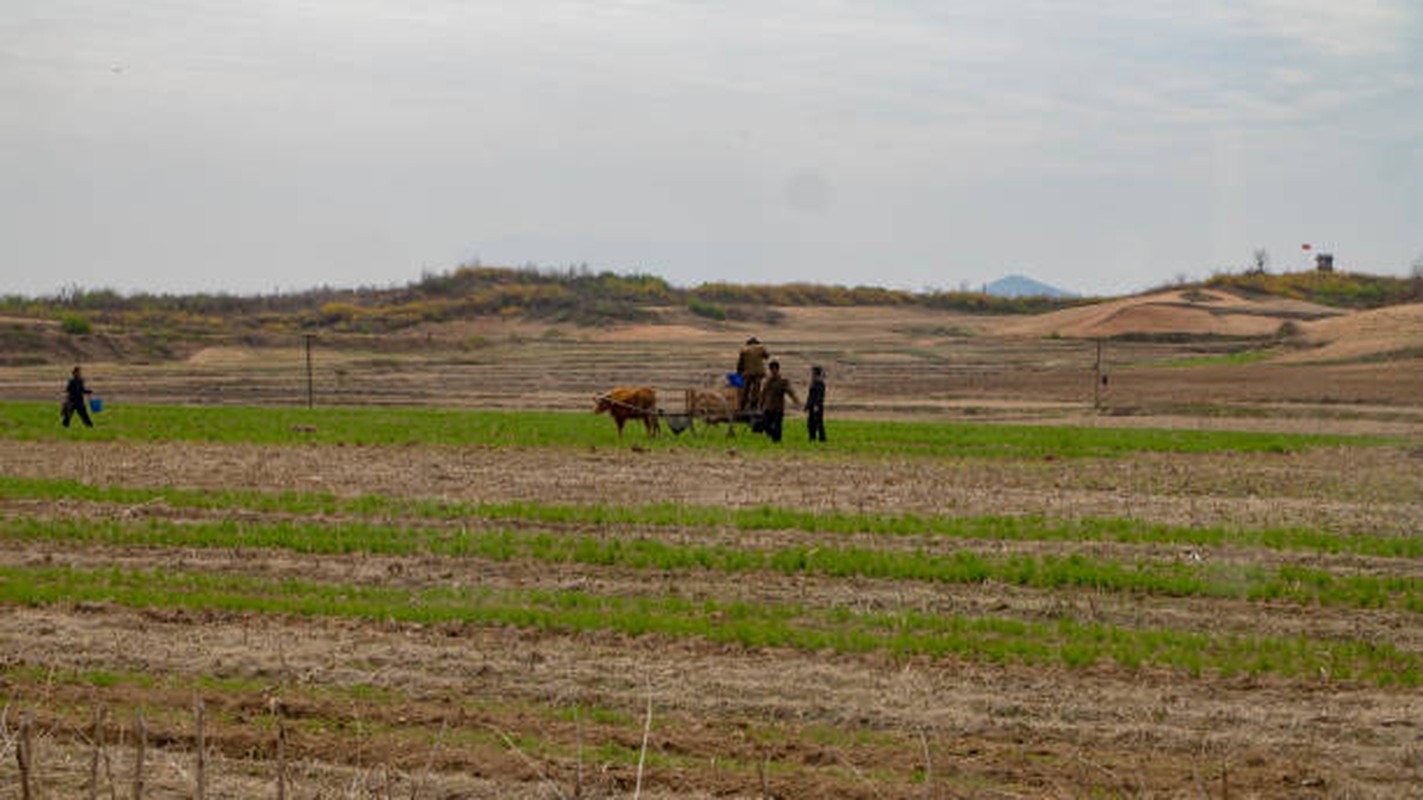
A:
751, 366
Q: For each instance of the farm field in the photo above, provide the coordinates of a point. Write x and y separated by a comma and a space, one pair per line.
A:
458, 583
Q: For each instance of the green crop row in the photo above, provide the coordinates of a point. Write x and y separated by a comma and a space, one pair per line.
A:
1067, 643
982, 527
436, 426
1300, 585
1219, 360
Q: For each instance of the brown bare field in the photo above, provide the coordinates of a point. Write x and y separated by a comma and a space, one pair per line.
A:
401, 709
1346, 372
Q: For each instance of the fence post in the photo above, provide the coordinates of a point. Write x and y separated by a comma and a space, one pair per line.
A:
201, 788
281, 759
141, 744
24, 754
98, 751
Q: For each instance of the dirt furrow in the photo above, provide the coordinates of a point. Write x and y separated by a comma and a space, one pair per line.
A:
927, 544
866, 595
1372, 490
1349, 738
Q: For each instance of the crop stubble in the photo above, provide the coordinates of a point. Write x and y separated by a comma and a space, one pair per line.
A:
991, 730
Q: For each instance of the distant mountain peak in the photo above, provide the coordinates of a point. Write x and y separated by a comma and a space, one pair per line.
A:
1020, 286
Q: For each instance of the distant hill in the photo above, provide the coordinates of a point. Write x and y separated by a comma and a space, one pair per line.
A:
1019, 286
1175, 313
578, 296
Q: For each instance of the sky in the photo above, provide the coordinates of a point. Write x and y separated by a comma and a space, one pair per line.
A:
1103, 146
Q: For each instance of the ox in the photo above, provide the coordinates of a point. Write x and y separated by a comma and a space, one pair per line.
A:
630, 402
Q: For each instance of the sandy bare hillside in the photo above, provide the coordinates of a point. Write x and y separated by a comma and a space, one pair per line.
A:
1196, 311
1396, 329
821, 324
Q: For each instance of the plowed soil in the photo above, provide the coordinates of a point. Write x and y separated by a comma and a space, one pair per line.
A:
341, 707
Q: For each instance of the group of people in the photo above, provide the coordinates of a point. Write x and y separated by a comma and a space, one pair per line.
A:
764, 389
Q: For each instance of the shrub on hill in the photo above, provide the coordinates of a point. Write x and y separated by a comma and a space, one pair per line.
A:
703, 308
1338, 289
75, 324
805, 294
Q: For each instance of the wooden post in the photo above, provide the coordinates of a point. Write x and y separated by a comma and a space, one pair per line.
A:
141, 734
25, 754
201, 784
928, 765
642, 752
98, 752
281, 759
578, 730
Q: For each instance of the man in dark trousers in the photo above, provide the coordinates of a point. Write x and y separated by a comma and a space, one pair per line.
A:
74, 400
773, 401
815, 405
751, 366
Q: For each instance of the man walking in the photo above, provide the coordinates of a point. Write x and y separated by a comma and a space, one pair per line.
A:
773, 401
74, 400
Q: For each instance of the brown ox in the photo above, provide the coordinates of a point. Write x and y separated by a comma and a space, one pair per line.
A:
713, 405
630, 402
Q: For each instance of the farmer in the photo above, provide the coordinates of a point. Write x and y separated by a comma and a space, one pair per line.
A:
773, 401
74, 401
815, 405
751, 366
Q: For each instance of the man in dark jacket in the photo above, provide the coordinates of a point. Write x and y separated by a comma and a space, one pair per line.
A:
773, 401
815, 405
74, 400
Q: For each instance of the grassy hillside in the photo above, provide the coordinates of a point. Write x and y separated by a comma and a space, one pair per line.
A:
1338, 289
576, 296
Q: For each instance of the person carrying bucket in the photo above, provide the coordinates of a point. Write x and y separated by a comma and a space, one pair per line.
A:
74, 400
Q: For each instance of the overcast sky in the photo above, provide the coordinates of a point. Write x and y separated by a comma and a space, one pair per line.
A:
1104, 146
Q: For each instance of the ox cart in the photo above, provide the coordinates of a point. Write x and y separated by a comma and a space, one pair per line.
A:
711, 405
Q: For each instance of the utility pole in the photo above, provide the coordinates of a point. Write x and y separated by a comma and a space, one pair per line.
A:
1099, 380
310, 393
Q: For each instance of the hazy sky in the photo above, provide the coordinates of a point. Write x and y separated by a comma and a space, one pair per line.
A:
1101, 145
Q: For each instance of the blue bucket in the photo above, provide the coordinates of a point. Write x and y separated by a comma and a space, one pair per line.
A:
96, 404
733, 379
